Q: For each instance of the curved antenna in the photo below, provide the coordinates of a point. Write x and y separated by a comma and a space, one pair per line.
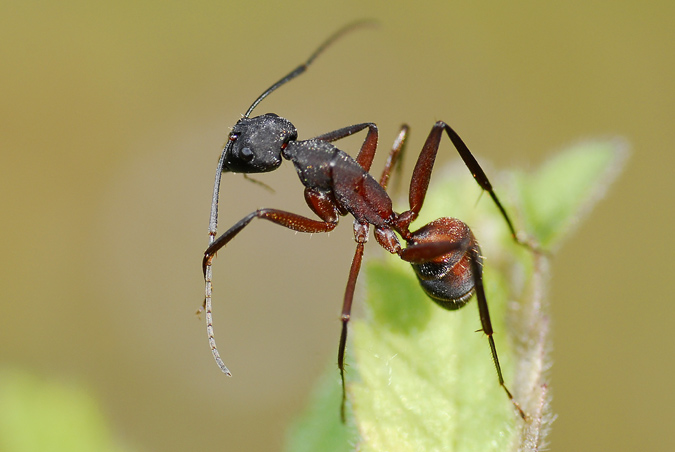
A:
303, 67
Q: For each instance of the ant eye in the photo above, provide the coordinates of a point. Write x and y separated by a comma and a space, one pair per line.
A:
233, 136
247, 154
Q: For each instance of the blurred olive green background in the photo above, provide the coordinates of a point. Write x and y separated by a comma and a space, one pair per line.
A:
112, 119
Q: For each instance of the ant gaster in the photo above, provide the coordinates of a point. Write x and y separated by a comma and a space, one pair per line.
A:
444, 254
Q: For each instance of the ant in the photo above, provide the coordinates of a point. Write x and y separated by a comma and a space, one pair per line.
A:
444, 253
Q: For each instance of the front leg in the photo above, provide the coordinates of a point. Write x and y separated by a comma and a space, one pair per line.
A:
287, 219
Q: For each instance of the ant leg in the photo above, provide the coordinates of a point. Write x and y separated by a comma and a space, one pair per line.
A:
393, 161
424, 166
287, 219
433, 246
420, 253
477, 269
368, 148
361, 236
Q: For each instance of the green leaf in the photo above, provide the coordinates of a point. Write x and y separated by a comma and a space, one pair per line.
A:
43, 416
420, 377
319, 428
566, 187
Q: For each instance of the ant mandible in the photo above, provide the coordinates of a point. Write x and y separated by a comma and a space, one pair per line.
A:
444, 254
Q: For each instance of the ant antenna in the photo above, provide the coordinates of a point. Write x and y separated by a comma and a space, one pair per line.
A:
303, 67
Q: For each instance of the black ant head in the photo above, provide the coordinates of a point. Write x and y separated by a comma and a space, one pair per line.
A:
255, 144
